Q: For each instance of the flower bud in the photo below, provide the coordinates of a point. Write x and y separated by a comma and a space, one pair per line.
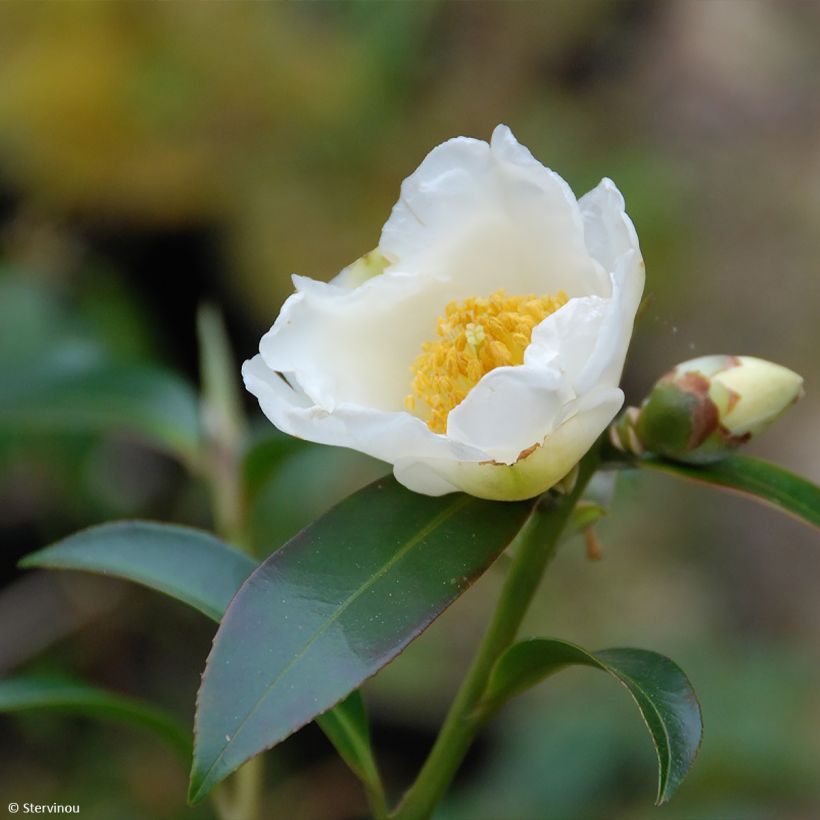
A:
704, 408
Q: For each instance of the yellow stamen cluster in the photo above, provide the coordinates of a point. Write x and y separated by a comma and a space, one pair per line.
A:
474, 337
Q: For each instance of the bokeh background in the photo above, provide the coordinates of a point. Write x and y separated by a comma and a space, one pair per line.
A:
153, 156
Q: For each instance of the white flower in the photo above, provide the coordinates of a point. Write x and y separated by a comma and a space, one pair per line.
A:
414, 356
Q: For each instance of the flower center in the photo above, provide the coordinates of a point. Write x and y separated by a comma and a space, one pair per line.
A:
474, 337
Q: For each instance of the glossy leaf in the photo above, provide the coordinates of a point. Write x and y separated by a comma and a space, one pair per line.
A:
27, 692
200, 570
188, 564
658, 686
331, 607
73, 390
751, 477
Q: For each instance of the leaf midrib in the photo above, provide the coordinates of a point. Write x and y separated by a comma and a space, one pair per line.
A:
437, 521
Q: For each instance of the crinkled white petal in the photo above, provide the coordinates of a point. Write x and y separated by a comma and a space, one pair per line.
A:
543, 468
493, 217
611, 239
386, 436
509, 410
566, 339
608, 231
354, 346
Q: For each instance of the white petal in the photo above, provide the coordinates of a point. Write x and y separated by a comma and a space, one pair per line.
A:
354, 346
539, 471
608, 231
386, 436
509, 410
490, 217
566, 339
512, 408
612, 241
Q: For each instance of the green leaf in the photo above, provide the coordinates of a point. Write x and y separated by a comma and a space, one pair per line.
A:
347, 728
335, 604
74, 390
188, 564
751, 477
21, 693
200, 570
264, 456
325, 476
658, 686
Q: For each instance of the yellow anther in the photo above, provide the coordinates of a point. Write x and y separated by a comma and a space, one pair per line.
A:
474, 337
473, 334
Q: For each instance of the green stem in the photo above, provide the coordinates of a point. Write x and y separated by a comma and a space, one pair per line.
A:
225, 428
536, 545
225, 431
247, 793
376, 800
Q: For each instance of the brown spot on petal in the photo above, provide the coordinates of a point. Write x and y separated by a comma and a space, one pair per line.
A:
528, 452
521, 456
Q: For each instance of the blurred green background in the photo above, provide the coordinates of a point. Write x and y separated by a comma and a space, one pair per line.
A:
156, 155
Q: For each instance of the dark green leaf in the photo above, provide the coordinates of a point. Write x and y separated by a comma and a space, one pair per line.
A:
660, 689
36, 692
187, 564
349, 731
751, 477
325, 476
264, 456
200, 570
73, 390
330, 608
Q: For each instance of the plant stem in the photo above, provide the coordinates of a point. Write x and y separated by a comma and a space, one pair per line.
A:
376, 800
247, 792
536, 545
225, 429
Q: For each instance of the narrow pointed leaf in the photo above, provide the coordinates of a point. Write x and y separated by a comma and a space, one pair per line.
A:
198, 569
752, 477
347, 728
188, 564
658, 686
30, 692
339, 601
78, 392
